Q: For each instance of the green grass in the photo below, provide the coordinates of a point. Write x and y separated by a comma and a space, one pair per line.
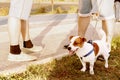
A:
68, 68
116, 43
57, 10
4, 11
45, 10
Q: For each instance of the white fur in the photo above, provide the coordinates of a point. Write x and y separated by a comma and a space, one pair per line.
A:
87, 47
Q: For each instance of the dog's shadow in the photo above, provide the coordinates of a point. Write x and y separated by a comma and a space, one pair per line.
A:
68, 67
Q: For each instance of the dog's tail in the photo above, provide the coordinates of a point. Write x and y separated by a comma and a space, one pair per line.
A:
103, 35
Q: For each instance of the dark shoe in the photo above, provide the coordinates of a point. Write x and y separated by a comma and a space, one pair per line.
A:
101, 58
66, 46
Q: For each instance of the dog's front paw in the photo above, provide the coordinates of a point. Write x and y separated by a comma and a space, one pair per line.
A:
83, 69
92, 72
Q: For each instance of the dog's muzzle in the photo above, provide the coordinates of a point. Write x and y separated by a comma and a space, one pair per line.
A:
71, 52
69, 48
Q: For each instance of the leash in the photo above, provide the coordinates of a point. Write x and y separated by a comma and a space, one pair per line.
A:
97, 18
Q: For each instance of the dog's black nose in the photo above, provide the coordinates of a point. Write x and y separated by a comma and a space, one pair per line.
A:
69, 48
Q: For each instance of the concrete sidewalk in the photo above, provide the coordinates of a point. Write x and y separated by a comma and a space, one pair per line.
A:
51, 33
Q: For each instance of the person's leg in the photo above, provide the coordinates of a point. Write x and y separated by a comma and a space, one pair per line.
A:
14, 28
27, 43
85, 7
119, 12
117, 8
95, 7
83, 23
108, 18
25, 34
107, 26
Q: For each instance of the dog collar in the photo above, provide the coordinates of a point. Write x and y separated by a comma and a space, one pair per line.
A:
88, 53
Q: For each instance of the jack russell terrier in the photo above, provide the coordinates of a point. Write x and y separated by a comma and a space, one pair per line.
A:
88, 52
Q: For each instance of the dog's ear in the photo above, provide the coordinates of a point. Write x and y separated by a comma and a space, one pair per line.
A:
70, 37
84, 39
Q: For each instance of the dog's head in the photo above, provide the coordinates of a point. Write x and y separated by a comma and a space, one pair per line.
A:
76, 42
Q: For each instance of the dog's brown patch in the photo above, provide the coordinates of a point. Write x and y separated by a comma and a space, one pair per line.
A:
96, 48
79, 42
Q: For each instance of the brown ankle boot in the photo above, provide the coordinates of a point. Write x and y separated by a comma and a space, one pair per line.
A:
27, 44
15, 49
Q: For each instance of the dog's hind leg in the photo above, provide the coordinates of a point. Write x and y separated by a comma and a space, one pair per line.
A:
106, 60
